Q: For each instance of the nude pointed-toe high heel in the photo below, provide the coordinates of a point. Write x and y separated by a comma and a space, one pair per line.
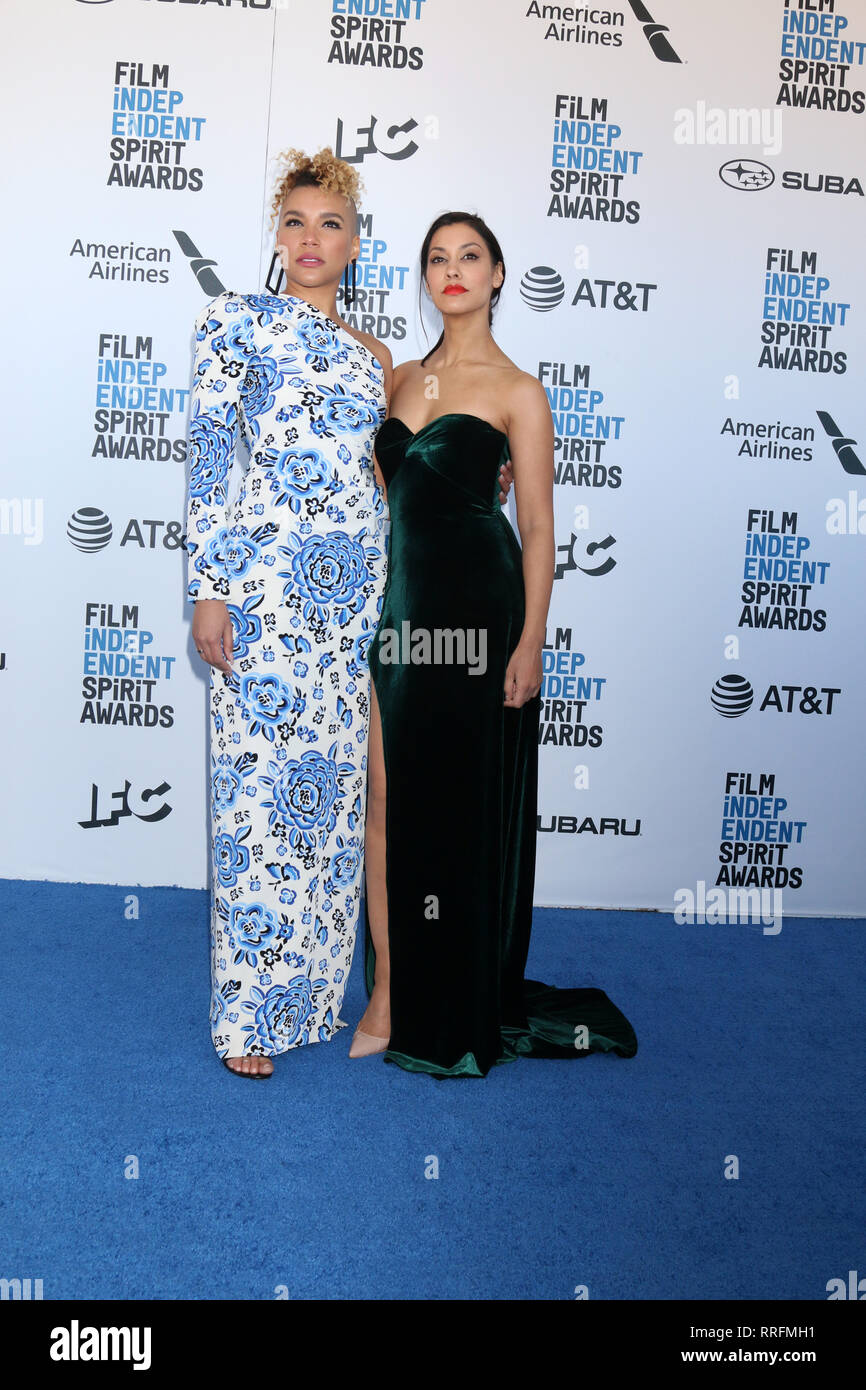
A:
367, 1044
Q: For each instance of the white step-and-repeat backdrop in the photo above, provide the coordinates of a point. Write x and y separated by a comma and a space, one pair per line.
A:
679, 191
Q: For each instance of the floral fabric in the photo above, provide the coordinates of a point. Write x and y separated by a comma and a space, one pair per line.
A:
298, 556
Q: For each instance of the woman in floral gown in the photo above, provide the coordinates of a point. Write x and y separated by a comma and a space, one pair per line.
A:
286, 567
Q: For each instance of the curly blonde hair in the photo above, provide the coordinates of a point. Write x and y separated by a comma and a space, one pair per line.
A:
322, 170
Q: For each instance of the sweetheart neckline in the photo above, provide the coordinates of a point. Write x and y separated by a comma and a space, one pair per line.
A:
446, 415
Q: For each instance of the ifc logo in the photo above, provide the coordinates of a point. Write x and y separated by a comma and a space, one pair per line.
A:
542, 288
89, 529
732, 696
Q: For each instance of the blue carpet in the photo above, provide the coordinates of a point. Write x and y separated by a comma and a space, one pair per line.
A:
602, 1171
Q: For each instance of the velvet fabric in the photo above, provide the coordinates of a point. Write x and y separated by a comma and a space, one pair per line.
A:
461, 772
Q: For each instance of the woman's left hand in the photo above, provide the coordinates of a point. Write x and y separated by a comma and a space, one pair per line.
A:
523, 675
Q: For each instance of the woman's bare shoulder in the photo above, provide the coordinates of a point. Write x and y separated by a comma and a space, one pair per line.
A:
525, 399
404, 371
523, 387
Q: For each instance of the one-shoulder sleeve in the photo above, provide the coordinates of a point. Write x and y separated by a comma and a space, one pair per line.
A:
214, 425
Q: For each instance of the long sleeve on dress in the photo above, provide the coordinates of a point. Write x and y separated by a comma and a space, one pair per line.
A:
213, 436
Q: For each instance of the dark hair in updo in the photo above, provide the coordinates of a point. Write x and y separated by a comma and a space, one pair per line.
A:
478, 225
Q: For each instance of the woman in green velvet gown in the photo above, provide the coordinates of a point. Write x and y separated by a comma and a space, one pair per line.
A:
456, 672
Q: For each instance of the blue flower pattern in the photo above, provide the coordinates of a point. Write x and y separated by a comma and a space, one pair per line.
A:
285, 524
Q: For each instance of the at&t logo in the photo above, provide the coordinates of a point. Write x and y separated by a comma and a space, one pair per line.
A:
543, 288
89, 529
732, 695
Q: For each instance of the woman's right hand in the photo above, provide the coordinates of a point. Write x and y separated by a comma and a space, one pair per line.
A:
212, 633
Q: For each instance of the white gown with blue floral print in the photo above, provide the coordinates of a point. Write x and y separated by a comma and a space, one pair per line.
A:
296, 549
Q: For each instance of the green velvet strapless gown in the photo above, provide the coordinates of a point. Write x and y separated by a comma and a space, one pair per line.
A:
462, 772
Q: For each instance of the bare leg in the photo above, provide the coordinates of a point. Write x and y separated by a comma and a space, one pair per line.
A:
377, 1019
